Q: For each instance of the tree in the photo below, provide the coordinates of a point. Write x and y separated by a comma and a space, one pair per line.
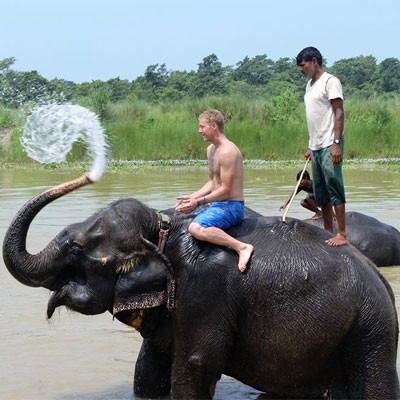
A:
119, 89
254, 71
156, 76
149, 86
18, 88
179, 86
67, 88
5, 64
357, 74
389, 75
210, 78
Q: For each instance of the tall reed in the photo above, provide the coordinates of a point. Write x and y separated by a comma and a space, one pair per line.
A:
264, 129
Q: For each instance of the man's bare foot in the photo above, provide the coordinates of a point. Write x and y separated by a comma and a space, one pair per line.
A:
317, 215
244, 256
338, 240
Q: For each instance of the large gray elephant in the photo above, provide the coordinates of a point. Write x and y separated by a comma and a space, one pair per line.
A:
378, 241
305, 320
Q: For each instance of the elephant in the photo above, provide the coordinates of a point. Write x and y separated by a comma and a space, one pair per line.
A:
305, 320
378, 241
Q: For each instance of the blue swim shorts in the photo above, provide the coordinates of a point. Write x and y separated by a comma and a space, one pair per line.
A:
221, 214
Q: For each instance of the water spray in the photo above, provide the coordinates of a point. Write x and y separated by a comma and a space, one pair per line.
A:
51, 130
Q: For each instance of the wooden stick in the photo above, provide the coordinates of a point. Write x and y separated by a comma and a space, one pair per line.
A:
295, 191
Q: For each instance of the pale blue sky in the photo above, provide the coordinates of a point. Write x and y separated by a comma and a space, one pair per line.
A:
85, 40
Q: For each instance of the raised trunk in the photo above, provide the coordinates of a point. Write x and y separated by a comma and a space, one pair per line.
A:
40, 269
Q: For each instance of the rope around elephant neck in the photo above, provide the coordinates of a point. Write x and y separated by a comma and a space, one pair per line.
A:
163, 224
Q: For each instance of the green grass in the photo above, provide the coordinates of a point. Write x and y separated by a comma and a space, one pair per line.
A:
264, 129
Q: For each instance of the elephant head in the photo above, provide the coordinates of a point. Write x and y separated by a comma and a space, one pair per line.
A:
103, 263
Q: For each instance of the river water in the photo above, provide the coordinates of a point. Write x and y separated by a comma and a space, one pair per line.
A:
88, 358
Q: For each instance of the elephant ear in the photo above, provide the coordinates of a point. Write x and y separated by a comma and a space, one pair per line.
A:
148, 284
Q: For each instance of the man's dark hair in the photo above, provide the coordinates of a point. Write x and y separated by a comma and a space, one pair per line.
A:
308, 54
306, 175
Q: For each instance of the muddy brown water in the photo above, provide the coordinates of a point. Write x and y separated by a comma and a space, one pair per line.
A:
86, 358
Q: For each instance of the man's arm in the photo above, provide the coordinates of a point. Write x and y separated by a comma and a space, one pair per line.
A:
188, 202
336, 151
203, 191
283, 206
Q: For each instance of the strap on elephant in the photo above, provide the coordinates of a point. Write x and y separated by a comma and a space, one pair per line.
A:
170, 273
163, 224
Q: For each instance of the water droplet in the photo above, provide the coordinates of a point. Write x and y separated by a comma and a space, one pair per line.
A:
51, 130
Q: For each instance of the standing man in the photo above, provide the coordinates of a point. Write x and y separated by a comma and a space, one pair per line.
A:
325, 120
223, 192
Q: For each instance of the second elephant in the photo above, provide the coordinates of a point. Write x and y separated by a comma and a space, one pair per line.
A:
378, 241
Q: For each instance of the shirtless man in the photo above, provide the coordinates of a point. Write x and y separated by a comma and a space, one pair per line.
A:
223, 192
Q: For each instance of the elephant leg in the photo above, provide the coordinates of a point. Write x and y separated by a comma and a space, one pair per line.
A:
193, 381
198, 364
152, 372
370, 363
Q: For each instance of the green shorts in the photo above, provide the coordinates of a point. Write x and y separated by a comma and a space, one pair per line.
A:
327, 178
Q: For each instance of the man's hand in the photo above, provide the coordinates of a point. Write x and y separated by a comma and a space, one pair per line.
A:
336, 154
186, 204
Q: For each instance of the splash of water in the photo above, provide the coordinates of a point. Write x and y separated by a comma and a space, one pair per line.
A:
51, 130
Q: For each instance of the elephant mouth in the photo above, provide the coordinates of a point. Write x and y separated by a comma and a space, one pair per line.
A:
133, 312
140, 301
62, 292
78, 296
57, 299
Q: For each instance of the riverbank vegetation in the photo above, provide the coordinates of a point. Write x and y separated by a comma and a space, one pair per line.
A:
154, 117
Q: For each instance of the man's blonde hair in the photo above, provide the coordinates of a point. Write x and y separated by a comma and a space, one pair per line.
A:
212, 116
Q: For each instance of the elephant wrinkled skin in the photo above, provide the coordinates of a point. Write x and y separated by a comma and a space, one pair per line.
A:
378, 241
305, 320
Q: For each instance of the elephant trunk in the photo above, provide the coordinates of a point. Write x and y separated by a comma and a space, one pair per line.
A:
40, 269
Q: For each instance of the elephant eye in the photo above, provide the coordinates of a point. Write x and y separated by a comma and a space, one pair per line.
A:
75, 245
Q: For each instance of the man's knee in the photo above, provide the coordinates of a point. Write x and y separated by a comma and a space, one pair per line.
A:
195, 229
306, 204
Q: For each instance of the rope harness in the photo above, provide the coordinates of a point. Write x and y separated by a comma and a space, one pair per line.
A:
164, 222
163, 225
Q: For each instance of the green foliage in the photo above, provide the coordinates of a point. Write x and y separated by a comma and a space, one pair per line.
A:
372, 127
15, 151
253, 77
155, 116
283, 107
129, 109
155, 136
8, 117
119, 89
254, 71
389, 75
5, 64
210, 78
273, 129
18, 88
100, 99
374, 112
358, 75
